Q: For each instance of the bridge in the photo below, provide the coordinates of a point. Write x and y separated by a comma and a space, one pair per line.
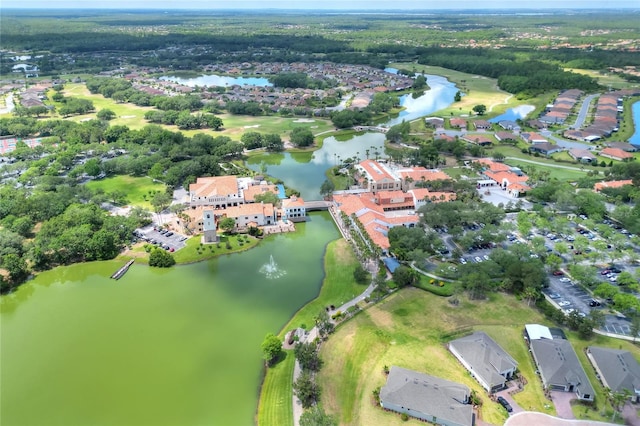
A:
317, 205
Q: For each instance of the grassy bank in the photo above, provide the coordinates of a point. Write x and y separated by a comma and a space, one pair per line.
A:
410, 329
338, 287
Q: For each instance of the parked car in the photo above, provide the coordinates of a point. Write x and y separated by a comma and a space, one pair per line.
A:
463, 260
564, 280
564, 303
486, 257
478, 259
558, 273
605, 272
505, 404
593, 303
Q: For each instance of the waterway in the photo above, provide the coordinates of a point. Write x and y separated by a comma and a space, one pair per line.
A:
635, 139
305, 172
218, 80
513, 114
158, 347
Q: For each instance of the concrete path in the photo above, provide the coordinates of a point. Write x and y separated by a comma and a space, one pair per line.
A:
539, 163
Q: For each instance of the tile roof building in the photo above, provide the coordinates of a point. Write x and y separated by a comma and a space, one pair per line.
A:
487, 362
618, 370
599, 186
427, 398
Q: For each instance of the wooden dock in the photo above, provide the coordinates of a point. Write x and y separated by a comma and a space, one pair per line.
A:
120, 272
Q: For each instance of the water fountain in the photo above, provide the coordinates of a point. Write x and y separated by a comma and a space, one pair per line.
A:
271, 270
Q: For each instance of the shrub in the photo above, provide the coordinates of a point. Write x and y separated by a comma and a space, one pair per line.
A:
404, 417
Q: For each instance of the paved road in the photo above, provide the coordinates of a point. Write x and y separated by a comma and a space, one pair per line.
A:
584, 110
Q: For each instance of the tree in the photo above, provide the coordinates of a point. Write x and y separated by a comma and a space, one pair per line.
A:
106, 114
16, 266
327, 188
252, 140
271, 348
360, 274
480, 109
404, 276
315, 416
301, 137
160, 201
457, 97
307, 356
273, 142
227, 224
268, 197
324, 324
160, 258
306, 389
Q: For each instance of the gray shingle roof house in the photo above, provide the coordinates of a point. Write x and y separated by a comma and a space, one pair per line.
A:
426, 397
560, 368
487, 362
618, 369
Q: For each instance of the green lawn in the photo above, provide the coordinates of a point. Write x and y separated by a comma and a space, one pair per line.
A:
410, 329
606, 79
234, 125
196, 252
337, 288
138, 189
276, 393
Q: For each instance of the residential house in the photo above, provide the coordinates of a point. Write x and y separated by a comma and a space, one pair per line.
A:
505, 136
545, 148
616, 154
559, 367
533, 138
293, 208
458, 123
617, 369
481, 124
487, 362
582, 155
481, 140
427, 398
599, 186
509, 125
627, 147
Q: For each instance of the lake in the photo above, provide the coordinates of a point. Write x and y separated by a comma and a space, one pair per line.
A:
635, 139
305, 172
179, 346
219, 80
514, 113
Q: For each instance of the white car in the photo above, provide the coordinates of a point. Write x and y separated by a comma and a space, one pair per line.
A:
486, 257
613, 279
564, 280
463, 260
478, 259
564, 303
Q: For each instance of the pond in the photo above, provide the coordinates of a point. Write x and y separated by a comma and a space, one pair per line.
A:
218, 80
439, 96
635, 139
513, 114
158, 347
305, 172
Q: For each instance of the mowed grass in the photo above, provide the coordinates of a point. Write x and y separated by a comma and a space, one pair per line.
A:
407, 330
194, 251
234, 125
275, 406
136, 188
338, 287
607, 79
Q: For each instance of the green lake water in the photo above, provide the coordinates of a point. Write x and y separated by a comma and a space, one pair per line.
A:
158, 347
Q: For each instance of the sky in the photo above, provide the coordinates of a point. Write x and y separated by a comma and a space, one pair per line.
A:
325, 4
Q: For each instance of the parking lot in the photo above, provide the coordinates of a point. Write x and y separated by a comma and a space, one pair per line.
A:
168, 240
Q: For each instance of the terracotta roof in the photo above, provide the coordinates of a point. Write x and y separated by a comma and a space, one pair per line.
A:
494, 166
418, 173
376, 171
253, 190
616, 152
293, 202
508, 176
599, 186
216, 185
248, 210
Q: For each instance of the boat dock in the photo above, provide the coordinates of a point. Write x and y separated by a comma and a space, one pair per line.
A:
120, 272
